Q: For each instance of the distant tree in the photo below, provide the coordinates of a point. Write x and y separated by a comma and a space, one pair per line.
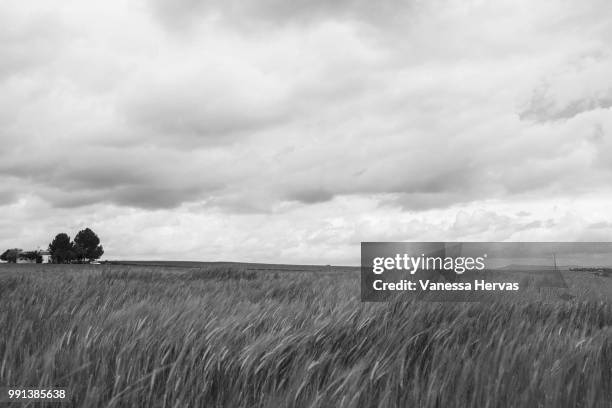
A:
79, 253
87, 245
62, 249
10, 255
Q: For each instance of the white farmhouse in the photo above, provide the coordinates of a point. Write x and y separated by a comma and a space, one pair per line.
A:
46, 256
23, 257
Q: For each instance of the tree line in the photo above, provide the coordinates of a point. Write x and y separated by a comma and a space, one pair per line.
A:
85, 247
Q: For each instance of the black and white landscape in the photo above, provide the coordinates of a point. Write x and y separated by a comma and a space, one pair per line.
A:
196, 178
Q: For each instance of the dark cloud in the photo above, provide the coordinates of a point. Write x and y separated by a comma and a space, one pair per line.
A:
148, 197
152, 197
422, 201
199, 115
131, 177
600, 225
312, 196
81, 170
8, 197
236, 203
28, 41
531, 225
63, 199
544, 108
279, 12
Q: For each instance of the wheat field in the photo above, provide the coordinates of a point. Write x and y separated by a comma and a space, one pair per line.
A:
224, 336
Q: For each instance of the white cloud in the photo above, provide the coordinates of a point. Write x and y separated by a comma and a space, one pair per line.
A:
296, 133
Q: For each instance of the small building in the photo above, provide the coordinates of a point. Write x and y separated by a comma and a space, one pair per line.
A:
38, 256
46, 256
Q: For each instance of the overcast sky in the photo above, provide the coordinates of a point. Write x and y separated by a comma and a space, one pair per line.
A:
290, 131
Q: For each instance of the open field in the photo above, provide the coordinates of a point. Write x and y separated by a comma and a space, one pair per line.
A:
239, 265
227, 336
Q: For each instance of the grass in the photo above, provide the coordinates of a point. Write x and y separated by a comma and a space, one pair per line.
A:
222, 336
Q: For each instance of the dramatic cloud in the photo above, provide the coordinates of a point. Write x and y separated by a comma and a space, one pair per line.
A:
292, 130
178, 14
543, 108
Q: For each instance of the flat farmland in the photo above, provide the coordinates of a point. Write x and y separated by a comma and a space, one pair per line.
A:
245, 335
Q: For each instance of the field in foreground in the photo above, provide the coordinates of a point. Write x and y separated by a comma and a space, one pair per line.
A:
145, 336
